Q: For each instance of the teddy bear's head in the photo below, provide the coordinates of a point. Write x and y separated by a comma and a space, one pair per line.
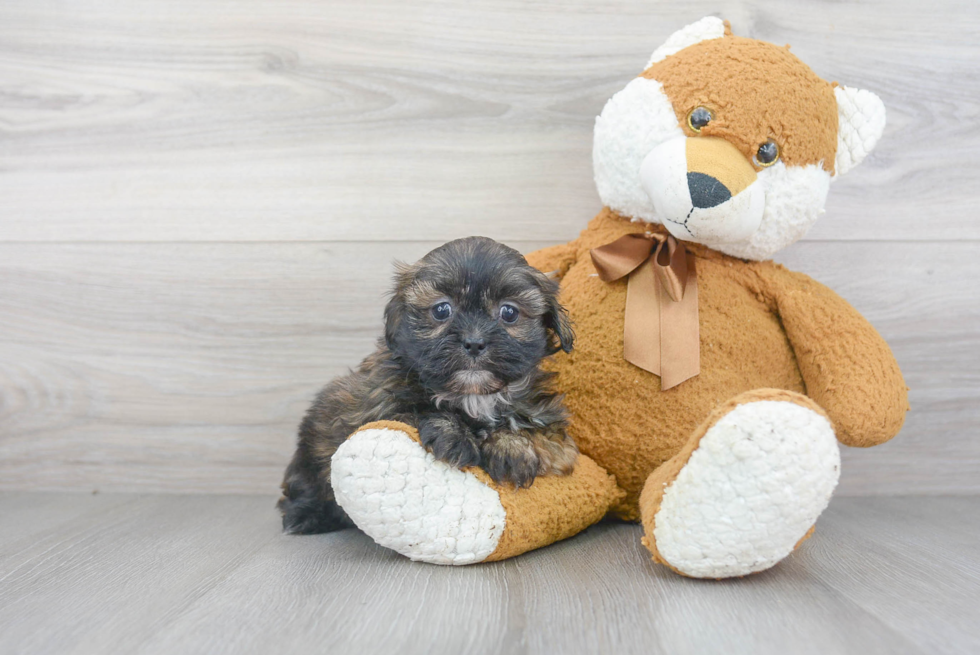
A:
730, 142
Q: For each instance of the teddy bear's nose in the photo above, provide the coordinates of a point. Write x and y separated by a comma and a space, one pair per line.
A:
706, 191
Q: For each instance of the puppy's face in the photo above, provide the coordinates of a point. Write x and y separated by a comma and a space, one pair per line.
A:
472, 317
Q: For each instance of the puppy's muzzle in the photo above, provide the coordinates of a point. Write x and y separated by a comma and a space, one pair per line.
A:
703, 188
474, 346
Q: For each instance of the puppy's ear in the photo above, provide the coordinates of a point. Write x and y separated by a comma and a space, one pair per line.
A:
396, 308
557, 320
556, 317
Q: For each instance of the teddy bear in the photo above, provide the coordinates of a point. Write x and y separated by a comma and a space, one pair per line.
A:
709, 386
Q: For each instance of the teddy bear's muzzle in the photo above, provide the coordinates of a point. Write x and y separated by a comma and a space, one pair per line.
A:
704, 190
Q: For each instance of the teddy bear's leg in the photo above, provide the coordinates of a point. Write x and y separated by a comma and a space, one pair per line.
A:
403, 498
747, 488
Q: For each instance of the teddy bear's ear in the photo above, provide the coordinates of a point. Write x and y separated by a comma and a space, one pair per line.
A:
706, 28
860, 122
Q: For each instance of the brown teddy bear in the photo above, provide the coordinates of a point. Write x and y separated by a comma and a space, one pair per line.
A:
709, 386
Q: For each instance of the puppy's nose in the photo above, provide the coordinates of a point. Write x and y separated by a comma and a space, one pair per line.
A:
706, 191
475, 346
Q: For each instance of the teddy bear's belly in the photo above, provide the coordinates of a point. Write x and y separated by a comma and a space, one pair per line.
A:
620, 417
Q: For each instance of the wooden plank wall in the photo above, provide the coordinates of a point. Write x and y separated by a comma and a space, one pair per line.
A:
200, 201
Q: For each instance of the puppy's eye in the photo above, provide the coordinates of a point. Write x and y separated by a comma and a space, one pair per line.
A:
509, 313
767, 154
698, 118
442, 311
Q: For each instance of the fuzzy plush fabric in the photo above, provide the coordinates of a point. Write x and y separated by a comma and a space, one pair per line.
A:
709, 27
406, 500
745, 490
634, 121
737, 79
862, 120
403, 498
553, 508
761, 327
756, 92
728, 470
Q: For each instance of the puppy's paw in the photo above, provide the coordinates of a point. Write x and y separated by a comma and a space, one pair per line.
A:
510, 457
557, 452
449, 440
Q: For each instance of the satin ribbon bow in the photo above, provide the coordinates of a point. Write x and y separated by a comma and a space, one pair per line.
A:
661, 328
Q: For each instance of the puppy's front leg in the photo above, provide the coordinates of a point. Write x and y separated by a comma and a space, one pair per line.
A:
518, 457
449, 439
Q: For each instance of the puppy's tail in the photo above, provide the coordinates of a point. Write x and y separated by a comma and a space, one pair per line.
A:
308, 505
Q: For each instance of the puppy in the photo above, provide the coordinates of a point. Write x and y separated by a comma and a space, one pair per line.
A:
465, 332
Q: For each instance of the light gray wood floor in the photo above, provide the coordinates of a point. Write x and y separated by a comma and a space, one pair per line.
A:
114, 573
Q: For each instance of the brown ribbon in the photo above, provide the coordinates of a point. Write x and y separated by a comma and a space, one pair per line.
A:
661, 330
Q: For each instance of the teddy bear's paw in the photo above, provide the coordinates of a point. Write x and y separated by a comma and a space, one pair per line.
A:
407, 500
750, 491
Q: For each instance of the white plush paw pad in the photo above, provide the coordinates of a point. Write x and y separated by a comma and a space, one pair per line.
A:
406, 500
751, 490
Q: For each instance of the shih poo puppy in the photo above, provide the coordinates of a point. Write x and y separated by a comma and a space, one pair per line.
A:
466, 330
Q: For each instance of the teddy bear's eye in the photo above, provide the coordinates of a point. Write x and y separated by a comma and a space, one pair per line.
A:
698, 118
767, 154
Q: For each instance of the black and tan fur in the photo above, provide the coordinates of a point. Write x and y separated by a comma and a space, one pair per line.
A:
471, 383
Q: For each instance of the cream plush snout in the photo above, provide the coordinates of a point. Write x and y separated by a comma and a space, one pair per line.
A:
703, 189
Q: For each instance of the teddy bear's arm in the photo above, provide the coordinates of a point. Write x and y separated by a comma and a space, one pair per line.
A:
846, 365
554, 260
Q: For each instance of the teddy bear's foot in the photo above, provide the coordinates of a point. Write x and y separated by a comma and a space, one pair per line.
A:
405, 499
746, 490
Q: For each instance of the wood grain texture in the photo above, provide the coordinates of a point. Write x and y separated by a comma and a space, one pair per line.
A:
199, 202
186, 367
169, 120
212, 574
